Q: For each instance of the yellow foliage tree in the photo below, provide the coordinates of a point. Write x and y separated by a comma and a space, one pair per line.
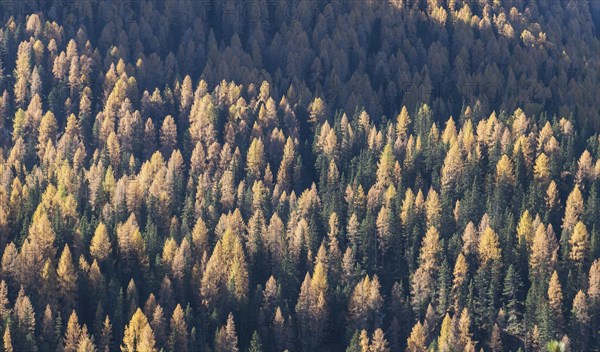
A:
580, 244
489, 247
416, 340
138, 335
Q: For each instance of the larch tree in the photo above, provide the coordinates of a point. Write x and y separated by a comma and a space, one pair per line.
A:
226, 339
365, 304
593, 291
541, 169
552, 198
525, 229
22, 73
67, 280
5, 310
138, 335
433, 210
226, 272
72, 334
158, 325
584, 168
86, 341
255, 160
489, 247
385, 167
464, 338
49, 335
113, 149
105, 339
47, 132
100, 247
149, 139
470, 239
49, 283
504, 171
446, 340
286, 167
573, 210
379, 342
168, 136
580, 316
317, 111
544, 253
384, 231
130, 244
310, 312
7, 340
24, 317
402, 124
555, 300
580, 244
426, 274
459, 281
416, 341
364, 341
178, 339
38, 246
453, 165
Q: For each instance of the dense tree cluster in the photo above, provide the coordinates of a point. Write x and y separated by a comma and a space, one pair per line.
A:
181, 183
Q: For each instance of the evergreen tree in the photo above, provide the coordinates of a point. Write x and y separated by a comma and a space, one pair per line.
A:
255, 344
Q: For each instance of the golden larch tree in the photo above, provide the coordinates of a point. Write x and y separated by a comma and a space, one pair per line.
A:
138, 335
416, 341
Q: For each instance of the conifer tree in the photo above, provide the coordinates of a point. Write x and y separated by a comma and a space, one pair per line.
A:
579, 243
424, 277
255, 344
489, 246
573, 210
580, 321
24, 317
378, 342
7, 340
464, 330
226, 339
85, 343
496, 339
168, 136
100, 247
511, 292
178, 340
72, 334
459, 281
593, 292
255, 160
158, 325
67, 280
138, 335
416, 341
446, 339
365, 304
555, 300
106, 335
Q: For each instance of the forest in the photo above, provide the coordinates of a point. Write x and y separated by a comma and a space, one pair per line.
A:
302, 175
